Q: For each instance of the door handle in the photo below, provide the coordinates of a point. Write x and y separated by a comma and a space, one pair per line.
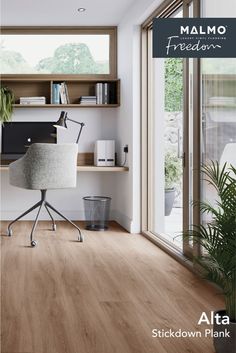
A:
180, 154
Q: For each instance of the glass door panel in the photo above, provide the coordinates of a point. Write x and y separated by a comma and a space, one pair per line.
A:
166, 147
218, 79
173, 107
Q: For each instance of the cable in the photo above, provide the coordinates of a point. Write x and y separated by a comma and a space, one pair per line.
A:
123, 164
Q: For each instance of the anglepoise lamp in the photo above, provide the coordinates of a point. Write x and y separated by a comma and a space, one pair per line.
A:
61, 123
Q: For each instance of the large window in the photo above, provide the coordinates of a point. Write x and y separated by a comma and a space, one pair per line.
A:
66, 51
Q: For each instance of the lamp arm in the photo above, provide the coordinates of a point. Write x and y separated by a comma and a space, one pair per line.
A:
74, 121
81, 127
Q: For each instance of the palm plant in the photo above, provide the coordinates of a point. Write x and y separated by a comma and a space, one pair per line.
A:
6, 104
218, 236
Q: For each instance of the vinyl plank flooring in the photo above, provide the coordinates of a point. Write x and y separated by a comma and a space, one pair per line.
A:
101, 296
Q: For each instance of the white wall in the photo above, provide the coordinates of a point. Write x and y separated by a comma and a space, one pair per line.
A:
128, 120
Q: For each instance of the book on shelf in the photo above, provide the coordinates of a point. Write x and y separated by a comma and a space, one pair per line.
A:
105, 93
99, 93
56, 93
32, 100
60, 93
66, 93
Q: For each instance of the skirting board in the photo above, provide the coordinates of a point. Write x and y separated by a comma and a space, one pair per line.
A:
115, 215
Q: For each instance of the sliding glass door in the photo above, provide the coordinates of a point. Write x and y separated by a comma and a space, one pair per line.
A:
166, 146
170, 142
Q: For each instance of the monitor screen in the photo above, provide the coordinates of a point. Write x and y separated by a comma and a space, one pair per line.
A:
18, 136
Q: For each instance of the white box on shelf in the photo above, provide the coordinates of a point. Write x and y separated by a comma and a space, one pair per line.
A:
104, 153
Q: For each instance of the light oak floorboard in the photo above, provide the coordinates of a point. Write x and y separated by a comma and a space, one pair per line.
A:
101, 296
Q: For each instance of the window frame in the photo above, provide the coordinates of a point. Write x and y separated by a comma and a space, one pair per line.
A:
109, 30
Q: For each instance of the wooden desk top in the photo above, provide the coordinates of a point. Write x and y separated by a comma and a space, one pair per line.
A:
87, 168
85, 164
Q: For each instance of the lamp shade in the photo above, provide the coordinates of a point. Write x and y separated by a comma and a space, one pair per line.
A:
61, 123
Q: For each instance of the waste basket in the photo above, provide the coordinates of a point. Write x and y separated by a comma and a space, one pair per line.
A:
97, 210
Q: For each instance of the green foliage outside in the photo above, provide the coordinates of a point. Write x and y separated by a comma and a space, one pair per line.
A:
173, 170
13, 62
70, 58
174, 78
173, 85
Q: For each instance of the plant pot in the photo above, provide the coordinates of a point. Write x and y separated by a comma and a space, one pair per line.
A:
169, 200
225, 344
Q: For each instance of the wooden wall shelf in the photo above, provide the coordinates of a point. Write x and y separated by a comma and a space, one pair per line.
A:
65, 106
42, 86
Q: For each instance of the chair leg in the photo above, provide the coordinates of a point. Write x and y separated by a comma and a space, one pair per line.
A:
54, 227
73, 224
33, 242
9, 230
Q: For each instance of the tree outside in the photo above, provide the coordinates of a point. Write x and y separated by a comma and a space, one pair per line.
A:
174, 85
70, 58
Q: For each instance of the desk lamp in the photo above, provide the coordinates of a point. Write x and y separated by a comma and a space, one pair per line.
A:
61, 123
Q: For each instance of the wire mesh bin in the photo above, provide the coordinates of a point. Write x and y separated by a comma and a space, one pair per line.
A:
97, 211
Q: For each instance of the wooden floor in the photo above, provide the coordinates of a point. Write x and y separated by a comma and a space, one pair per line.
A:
101, 296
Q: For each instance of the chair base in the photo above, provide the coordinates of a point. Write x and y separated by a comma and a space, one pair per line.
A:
47, 205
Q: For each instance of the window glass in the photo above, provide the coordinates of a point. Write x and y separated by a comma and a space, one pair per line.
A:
55, 54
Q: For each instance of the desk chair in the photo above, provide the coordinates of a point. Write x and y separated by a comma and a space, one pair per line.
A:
45, 166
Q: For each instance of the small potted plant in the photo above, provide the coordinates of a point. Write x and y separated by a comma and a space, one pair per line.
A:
218, 239
6, 104
172, 178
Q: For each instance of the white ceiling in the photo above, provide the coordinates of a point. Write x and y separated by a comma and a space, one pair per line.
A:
63, 12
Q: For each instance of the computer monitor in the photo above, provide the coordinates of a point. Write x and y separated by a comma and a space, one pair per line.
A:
18, 136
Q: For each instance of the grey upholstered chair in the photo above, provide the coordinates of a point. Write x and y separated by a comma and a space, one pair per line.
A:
45, 166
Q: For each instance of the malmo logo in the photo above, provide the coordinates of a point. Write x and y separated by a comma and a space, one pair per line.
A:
209, 30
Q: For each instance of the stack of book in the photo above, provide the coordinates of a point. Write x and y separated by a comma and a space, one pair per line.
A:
60, 93
88, 100
33, 100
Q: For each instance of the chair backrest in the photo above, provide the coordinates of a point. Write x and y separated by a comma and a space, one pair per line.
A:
47, 166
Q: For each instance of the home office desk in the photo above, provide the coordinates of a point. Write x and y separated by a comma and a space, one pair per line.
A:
84, 164
87, 168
